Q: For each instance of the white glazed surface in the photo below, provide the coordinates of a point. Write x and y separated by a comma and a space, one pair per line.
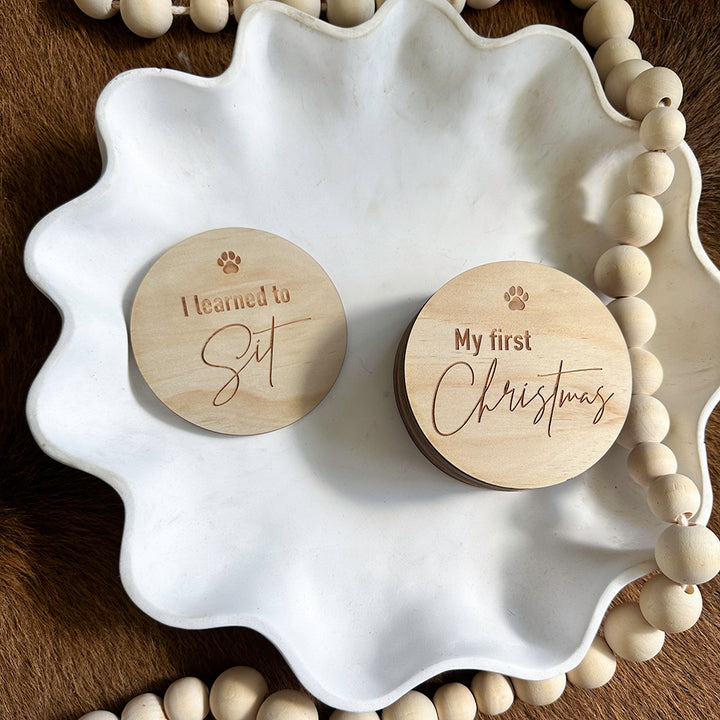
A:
398, 154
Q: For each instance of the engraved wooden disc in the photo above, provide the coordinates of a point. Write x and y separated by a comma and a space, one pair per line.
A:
238, 331
515, 375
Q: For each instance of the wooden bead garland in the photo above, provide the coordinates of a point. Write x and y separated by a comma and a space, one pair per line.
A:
687, 554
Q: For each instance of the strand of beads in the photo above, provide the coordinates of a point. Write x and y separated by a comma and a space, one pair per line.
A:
687, 554
153, 18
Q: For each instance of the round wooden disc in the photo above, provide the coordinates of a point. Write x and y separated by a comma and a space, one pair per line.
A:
514, 375
238, 331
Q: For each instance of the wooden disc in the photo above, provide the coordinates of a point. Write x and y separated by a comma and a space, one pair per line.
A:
514, 375
238, 331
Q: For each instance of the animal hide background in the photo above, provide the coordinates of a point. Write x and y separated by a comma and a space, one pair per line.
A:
70, 640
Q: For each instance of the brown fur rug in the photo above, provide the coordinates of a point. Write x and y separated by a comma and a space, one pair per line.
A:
70, 640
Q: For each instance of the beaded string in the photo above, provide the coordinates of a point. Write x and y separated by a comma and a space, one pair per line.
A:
686, 553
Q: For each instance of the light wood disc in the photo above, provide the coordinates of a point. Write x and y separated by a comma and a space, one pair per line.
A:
514, 375
238, 331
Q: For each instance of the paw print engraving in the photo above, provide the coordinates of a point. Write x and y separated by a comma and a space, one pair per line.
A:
229, 262
516, 298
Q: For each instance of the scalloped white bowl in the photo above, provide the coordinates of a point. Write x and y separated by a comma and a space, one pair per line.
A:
398, 154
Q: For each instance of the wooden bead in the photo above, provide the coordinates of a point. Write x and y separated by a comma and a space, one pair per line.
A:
239, 7
648, 461
630, 635
689, 555
147, 18
607, 19
494, 693
612, 52
310, 7
237, 694
210, 16
619, 79
596, 668
348, 13
147, 706
662, 129
647, 372
99, 714
540, 692
287, 705
187, 699
655, 87
634, 219
622, 271
672, 496
97, 9
635, 318
647, 421
668, 606
411, 706
347, 715
482, 4
459, 5
651, 173
454, 701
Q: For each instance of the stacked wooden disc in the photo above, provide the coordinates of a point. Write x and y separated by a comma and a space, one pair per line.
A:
513, 375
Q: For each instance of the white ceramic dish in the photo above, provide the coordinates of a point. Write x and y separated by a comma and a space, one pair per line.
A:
398, 154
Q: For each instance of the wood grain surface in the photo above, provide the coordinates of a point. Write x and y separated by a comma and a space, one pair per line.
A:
70, 639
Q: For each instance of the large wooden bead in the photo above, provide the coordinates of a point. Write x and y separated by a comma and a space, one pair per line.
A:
648, 461
622, 271
634, 219
596, 668
210, 16
630, 635
655, 87
612, 52
454, 701
99, 714
635, 318
672, 496
240, 6
651, 173
347, 715
689, 555
311, 7
287, 705
662, 129
147, 706
147, 18
411, 706
187, 699
494, 693
237, 694
348, 13
481, 4
540, 692
607, 19
647, 421
668, 606
619, 79
97, 9
647, 372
